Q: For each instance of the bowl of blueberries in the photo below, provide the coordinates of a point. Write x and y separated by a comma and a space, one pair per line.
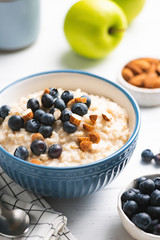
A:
62, 181
139, 207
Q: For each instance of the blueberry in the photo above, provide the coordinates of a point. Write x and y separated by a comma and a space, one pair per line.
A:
142, 199
55, 151
54, 92
47, 119
139, 180
135, 190
130, 208
154, 211
142, 220
155, 198
46, 131
33, 104
147, 155
21, 152
47, 100
152, 225
128, 195
32, 126
88, 103
157, 159
79, 108
69, 127
15, 122
147, 186
60, 104
157, 182
156, 229
38, 114
38, 147
4, 111
65, 115
67, 96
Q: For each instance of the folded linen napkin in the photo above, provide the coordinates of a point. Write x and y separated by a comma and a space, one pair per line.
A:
46, 224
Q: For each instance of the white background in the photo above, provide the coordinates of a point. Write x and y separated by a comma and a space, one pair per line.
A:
93, 217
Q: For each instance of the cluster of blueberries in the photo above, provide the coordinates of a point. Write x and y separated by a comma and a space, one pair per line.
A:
38, 147
147, 156
43, 120
142, 204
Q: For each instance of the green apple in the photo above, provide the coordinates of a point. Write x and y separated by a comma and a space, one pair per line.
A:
131, 7
94, 28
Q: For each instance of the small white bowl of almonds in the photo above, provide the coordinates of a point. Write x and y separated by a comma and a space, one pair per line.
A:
141, 77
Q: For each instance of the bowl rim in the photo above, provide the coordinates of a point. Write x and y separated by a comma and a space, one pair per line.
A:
124, 216
132, 87
110, 157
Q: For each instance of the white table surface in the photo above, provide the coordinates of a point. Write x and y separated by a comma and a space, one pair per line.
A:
93, 217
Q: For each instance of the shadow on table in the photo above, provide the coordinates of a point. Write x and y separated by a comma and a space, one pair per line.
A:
72, 207
81, 210
62, 204
72, 60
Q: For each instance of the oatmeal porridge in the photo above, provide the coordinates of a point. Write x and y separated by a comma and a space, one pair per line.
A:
55, 127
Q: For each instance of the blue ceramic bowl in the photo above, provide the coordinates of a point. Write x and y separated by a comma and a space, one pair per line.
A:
70, 182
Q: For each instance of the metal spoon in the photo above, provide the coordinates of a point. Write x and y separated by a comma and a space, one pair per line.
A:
13, 223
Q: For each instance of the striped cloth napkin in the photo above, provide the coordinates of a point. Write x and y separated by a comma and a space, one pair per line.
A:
46, 224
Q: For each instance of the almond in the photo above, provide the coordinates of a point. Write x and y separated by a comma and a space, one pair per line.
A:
35, 161
106, 117
142, 63
156, 83
57, 114
70, 103
93, 118
135, 68
150, 79
37, 136
127, 73
94, 137
88, 127
46, 90
80, 139
152, 60
75, 119
85, 145
80, 99
152, 68
27, 115
158, 68
138, 80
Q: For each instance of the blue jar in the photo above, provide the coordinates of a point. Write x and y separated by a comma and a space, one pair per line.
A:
19, 23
